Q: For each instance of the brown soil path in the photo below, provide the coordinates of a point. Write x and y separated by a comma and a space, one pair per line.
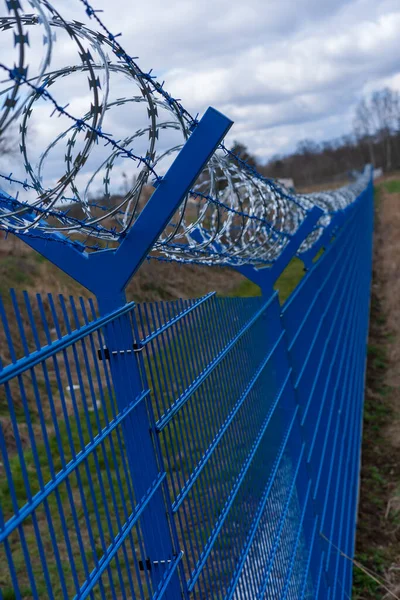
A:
378, 535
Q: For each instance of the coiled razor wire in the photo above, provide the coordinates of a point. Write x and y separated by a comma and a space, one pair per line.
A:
233, 215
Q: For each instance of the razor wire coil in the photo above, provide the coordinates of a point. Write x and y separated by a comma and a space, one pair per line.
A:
233, 214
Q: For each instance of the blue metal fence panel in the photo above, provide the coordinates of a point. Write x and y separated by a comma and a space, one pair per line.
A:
202, 449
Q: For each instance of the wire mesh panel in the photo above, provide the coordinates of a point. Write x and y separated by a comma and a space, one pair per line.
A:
71, 516
326, 320
226, 424
202, 448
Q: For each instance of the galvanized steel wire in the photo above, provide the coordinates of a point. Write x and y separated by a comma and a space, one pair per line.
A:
233, 215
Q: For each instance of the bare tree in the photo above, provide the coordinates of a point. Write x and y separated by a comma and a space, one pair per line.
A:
377, 123
308, 154
242, 152
8, 144
364, 127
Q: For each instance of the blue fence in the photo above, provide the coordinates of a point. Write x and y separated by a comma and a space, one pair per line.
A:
200, 449
204, 449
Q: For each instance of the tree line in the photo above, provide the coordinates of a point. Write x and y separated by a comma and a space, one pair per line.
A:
375, 139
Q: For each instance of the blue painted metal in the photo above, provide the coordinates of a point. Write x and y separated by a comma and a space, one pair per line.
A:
106, 273
202, 448
266, 277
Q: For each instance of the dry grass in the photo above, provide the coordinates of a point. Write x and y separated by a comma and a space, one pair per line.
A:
22, 268
387, 256
387, 249
321, 187
168, 281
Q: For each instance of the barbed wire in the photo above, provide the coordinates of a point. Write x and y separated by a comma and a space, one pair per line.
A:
233, 215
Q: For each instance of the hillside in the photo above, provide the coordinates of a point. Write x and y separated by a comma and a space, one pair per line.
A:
23, 268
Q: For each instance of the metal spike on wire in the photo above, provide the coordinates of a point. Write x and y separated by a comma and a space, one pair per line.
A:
233, 214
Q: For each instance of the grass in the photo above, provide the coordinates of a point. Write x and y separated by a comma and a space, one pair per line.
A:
97, 491
285, 284
377, 541
246, 289
375, 475
392, 187
289, 279
363, 585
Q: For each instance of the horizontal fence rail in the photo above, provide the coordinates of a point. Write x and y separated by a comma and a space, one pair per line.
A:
205, 448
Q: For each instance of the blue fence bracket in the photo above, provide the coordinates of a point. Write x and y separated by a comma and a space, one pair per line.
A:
265, 277
144, 453
107, 272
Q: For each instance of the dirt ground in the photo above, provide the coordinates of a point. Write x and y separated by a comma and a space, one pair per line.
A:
378, 535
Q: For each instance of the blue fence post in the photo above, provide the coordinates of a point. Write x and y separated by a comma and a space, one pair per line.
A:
140, 434
106, 273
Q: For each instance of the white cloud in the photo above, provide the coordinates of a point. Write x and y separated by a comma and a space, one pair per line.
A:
281, 69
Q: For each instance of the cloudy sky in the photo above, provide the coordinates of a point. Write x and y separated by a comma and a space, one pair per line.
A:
283, 70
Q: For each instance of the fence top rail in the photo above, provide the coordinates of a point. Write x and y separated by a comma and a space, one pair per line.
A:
34, 358
160, 330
